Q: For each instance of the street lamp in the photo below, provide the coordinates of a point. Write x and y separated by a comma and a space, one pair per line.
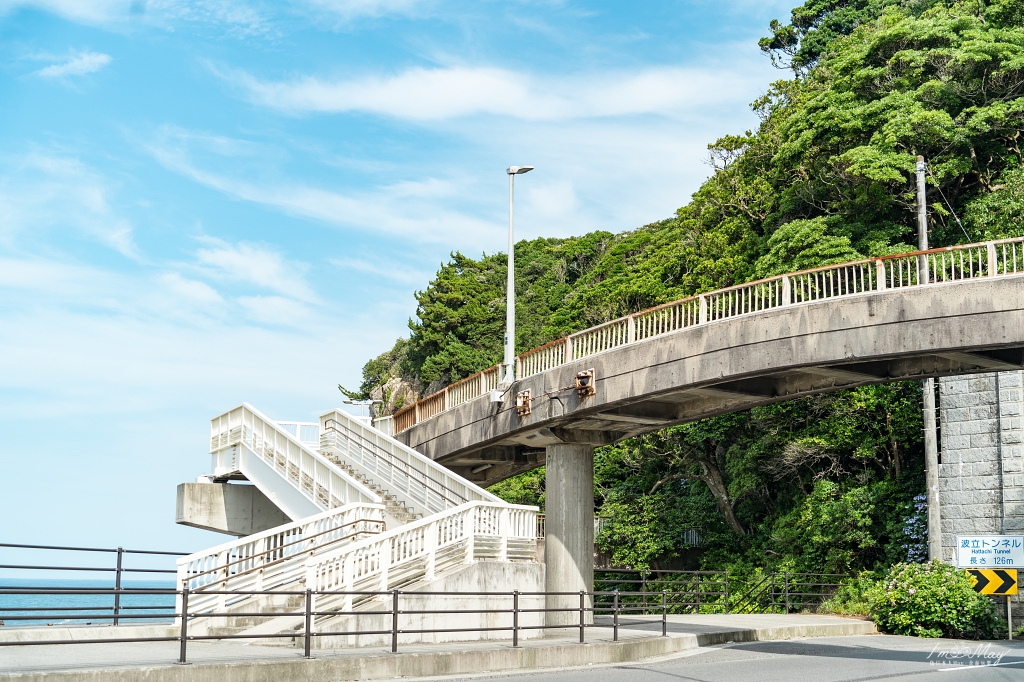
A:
364, 403
508, 373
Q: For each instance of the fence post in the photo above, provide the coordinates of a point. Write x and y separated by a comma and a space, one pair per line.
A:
698, 593
879, 275
703, 315
787, 290
993, 263
727, 592
394, 621
117, 585
664, 613
630, 329
786, 578
583, 613
773, 591
643, 592
615, 617
184, 626
309, 620
515, 619
568, 349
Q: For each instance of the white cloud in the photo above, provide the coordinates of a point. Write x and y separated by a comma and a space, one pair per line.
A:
46, 190
190, 289
350, 9
82, 11
257, 265
433, 94
386, 269
79, 65
418, 210
235, 16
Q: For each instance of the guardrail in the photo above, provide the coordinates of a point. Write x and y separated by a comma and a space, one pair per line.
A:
788, 592
422, 549
97, 612
393, 610
934, 266
276, 557
685, 591
305, 469
405, 472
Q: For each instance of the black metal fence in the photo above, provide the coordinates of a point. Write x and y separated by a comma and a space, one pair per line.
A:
112, 611
785, 592
696, 592
392, 607
685, 591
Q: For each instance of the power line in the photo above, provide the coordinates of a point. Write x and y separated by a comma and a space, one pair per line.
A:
938, 187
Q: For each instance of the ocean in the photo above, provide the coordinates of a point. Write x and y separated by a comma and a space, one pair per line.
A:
56, 609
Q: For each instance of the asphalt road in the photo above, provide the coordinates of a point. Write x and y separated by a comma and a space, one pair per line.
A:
825, 659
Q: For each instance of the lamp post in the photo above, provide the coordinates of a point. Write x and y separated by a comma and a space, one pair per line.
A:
508, 366
364, 403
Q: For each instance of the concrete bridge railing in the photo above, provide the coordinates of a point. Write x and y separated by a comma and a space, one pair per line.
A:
948, 264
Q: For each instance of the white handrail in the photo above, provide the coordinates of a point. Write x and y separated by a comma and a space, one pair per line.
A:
935, 266
305, 469
273, 558
421, 550
412, 477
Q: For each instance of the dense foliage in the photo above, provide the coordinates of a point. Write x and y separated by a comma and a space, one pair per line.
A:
828, 483
932, 600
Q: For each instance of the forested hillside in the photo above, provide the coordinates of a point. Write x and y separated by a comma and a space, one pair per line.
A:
828, 483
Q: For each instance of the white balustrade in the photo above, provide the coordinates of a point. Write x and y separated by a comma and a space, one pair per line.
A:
420, 550
309, 472
936, 266
275, 558
412, 477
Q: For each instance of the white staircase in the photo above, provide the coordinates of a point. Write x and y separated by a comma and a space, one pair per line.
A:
405, 479
272, 560
293, 475
371, 515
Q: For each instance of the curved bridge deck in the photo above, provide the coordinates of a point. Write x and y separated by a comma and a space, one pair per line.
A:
938, 313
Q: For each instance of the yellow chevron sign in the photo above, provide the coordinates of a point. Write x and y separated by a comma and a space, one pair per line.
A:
994, 580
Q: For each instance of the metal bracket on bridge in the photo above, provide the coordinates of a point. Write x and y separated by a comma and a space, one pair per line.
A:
523, 402
585, 383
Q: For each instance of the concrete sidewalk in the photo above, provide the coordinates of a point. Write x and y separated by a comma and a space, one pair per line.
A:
231, 660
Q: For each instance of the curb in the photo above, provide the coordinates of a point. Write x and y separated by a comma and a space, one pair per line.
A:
441, 663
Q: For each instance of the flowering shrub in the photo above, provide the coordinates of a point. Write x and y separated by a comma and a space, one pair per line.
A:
932, 600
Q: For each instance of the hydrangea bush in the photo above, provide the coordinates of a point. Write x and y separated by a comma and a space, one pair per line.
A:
932, 600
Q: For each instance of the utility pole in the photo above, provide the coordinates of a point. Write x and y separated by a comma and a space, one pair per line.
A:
931, 451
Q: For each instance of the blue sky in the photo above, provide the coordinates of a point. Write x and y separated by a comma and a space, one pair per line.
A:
204, 203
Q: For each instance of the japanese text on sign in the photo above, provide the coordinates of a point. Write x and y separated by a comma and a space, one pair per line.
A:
990, 551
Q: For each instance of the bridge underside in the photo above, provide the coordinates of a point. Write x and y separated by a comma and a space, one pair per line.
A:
733, 365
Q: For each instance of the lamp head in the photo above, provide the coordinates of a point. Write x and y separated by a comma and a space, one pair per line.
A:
518, 170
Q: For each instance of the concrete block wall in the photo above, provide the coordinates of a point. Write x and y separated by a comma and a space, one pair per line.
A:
981, 470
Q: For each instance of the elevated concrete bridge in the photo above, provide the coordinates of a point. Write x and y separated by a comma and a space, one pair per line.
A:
937, 313
853, 338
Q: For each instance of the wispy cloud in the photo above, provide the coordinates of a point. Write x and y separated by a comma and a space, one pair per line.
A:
255, 264
79, 65
351, 9
419, 210
431, 94
44, 190
82, 11
235, 16
383, 268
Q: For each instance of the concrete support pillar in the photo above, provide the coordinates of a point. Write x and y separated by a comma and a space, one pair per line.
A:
569, 547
